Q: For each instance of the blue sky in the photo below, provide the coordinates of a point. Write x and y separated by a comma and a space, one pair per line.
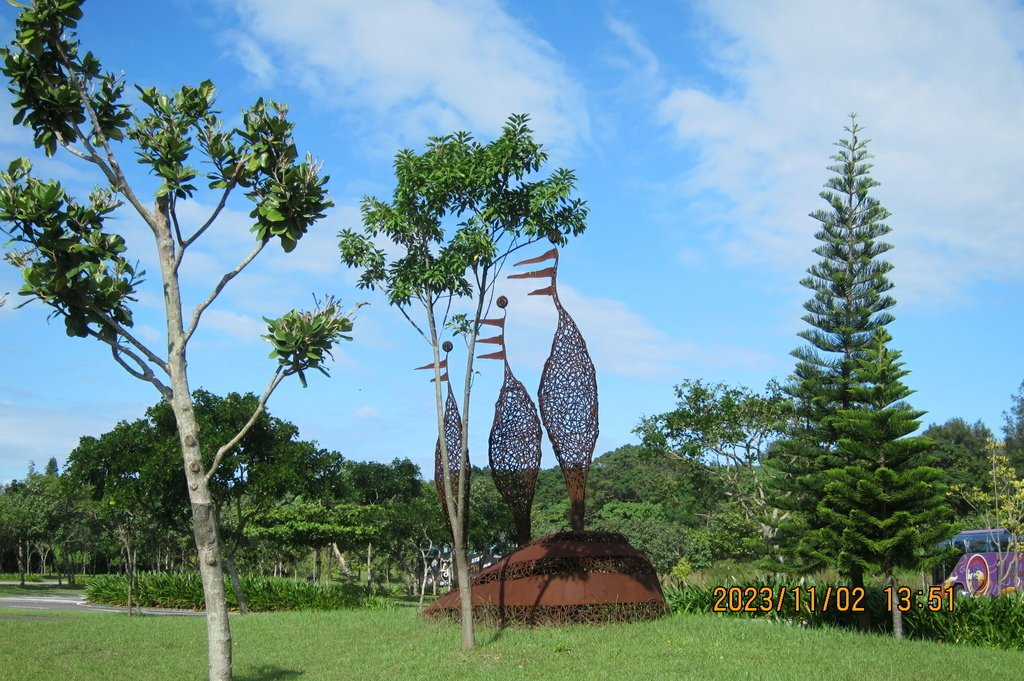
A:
699, 132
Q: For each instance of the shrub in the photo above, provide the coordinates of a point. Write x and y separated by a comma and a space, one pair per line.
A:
184, 590
996, 621
14, 577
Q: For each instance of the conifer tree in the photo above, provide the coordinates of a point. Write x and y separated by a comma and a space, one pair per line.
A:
887, 508
850, 303
859, 494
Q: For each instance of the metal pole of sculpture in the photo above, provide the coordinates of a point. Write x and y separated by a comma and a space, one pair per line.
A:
567, 394
514, 447
453, 441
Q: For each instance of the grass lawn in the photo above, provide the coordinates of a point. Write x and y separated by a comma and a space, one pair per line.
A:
396, 645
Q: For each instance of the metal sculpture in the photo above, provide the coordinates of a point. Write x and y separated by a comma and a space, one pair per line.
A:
514, 446
453, 442
567, 394
567, 577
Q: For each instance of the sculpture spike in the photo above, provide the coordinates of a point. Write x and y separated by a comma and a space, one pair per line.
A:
553, 253
497, 340
536, 274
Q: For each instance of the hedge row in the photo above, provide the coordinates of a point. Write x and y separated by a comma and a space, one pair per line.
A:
184, 591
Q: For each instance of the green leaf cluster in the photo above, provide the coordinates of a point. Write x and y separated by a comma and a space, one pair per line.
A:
485, 188
49, 77
303, 340
65, 257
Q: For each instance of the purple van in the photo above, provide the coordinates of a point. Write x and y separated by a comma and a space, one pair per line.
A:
987, 566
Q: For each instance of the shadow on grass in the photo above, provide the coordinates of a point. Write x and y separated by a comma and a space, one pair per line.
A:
270, 673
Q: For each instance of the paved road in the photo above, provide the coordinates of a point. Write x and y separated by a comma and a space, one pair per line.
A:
64, 602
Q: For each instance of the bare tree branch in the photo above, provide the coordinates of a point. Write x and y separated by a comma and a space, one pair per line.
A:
228, 446
122, 331
177, 228
198, 312
143, 373
110, 167
220, 206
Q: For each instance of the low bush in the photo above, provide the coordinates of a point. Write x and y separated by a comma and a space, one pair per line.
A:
982, 621
14, 577
184, 590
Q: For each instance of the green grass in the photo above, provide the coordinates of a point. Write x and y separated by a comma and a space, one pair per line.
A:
397, 645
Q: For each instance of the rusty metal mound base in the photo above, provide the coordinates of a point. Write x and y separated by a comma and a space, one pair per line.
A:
564, 578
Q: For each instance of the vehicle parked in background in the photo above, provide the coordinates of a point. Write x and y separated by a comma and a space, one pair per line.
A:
986, 567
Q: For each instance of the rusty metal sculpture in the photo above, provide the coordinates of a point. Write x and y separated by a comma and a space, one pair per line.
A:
567, 577
514, 446
567, 394
453, 441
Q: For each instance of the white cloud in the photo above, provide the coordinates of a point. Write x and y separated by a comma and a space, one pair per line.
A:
250, 55
939, 89
237, 326
425, 66
36, 433
367, 412
619, 340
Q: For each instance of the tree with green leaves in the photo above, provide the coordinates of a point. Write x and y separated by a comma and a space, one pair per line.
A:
849, 476
850, 303
885, 509
458, 211
1013, 430
731, 430
71, 263
961, 450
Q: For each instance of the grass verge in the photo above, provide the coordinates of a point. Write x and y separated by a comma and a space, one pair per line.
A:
396, 644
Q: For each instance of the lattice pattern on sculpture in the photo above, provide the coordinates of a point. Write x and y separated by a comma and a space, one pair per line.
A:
567, 394
566, 577
453, 437
453, 441
514, 451
537, 615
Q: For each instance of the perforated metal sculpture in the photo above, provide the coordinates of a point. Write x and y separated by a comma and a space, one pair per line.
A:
567, 394
453, 440
514, 447
565, 577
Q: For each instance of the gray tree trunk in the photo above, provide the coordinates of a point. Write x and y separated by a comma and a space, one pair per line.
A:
204, 514
897, 614
236, 583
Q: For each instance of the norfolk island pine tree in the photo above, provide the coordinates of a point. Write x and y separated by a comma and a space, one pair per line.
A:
79, 270
847, 315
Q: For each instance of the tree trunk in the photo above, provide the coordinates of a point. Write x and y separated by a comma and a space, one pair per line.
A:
204, 514
369, 573
456, 506
423, 584
465, 596
236, 583
21, 563
343, 567
897, 614
864, 616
